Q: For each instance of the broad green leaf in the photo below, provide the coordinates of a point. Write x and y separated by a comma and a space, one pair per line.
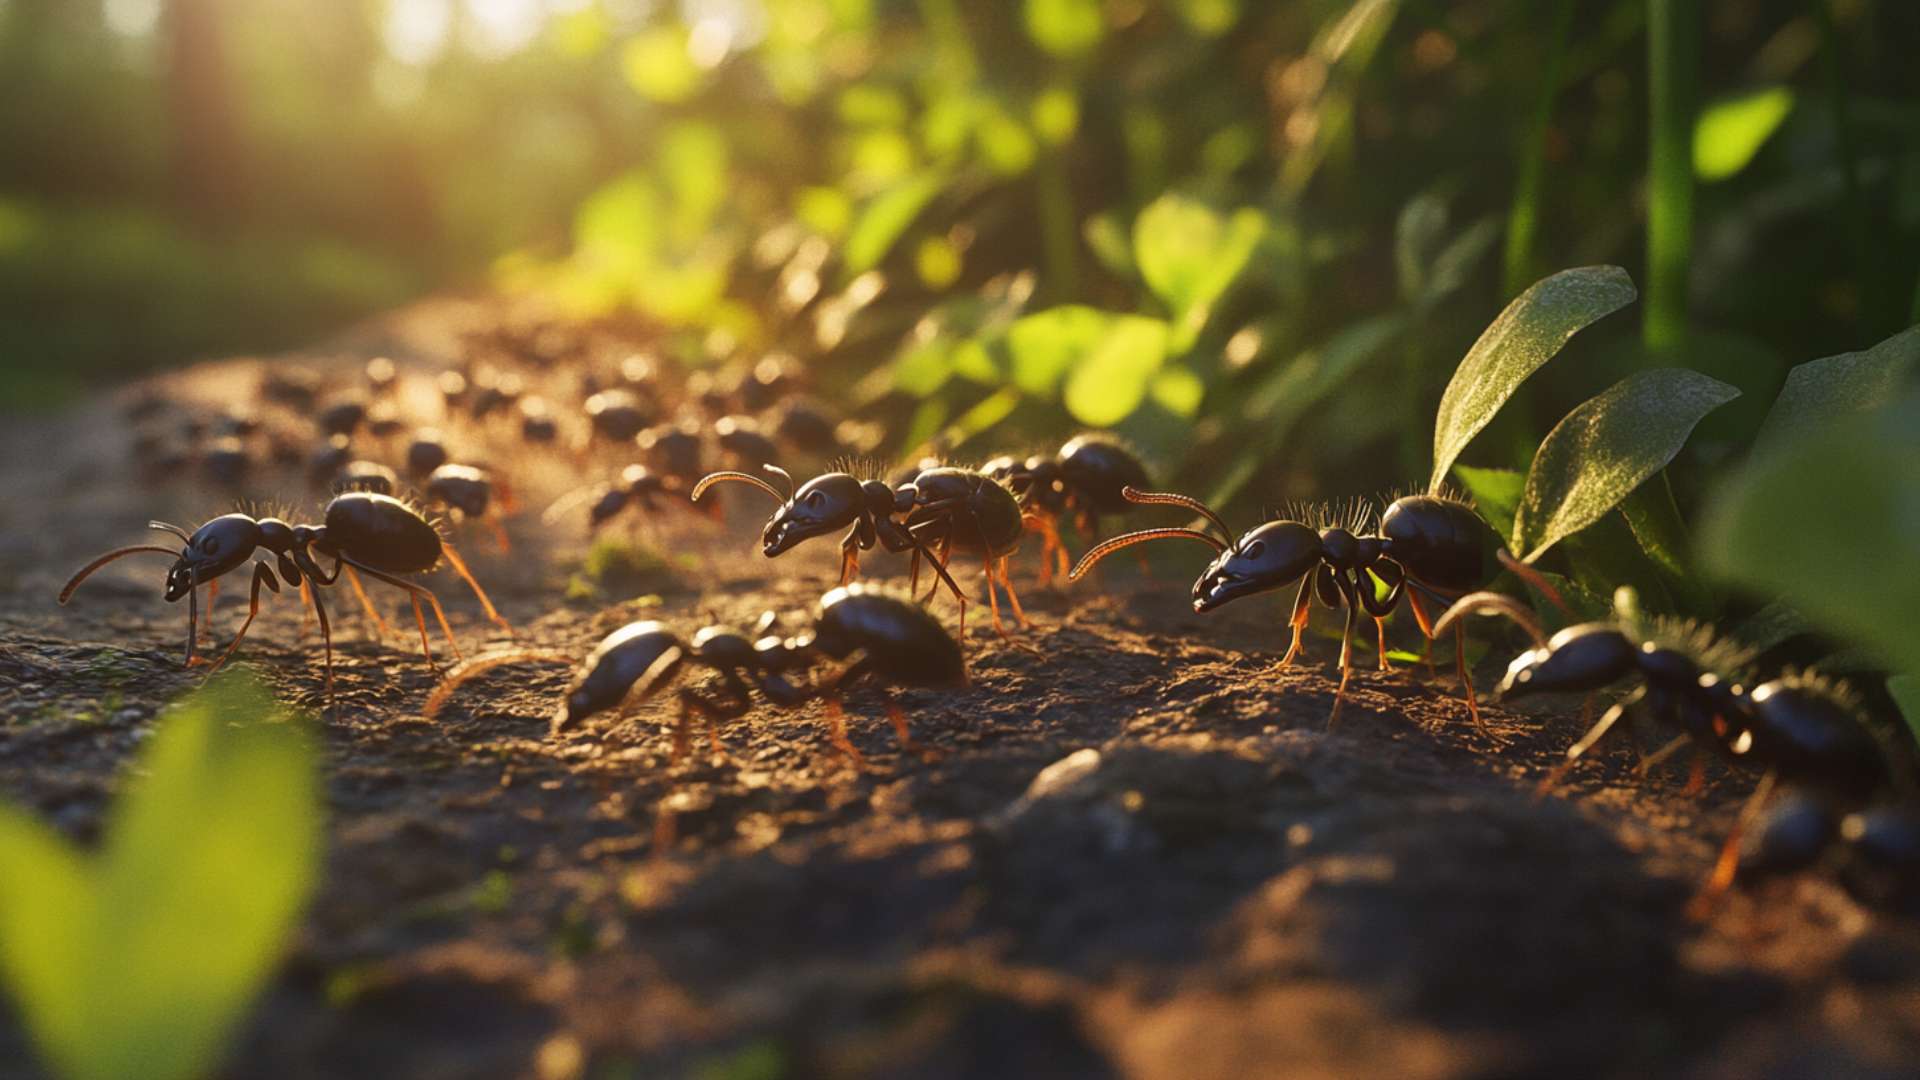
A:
1830, 523
1770, 626
1495, 492
1525, 336
1065, 27
885, 219
1046, 345
1189, 254
1731, 131
1605, 448
1111, 381
924, 368
1821, 393
170, 931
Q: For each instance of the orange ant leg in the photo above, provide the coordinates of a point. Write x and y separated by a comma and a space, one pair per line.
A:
460, 567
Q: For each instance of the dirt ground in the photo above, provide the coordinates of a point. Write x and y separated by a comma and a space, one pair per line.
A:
1208, 883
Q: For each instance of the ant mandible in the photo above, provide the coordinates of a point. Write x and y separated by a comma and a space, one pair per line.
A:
377, 535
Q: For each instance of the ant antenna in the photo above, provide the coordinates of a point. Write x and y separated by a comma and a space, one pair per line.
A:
1492, 603
1168, 498
1107, 547
725, 475
168, 528
782, 474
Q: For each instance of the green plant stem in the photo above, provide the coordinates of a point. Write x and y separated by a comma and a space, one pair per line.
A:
1672, 60
1523, 219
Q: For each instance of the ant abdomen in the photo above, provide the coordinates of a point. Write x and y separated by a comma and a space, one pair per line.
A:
1441, 542
1579, 658
382, 532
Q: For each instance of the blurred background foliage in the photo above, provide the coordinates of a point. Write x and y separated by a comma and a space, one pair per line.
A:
1256, 238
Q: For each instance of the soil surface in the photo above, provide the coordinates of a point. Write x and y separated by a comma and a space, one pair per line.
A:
1143, 853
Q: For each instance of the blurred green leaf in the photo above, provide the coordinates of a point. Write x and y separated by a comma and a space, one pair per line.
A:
1831, 524
1179, 391
1108, 241
1209, 18
1046, 344
885, 219
1495, 493
1821, 393
1111, 381
1605, 448
657, 65
1525, 336
1730, 132
1065, 27
141, 960
1189, 254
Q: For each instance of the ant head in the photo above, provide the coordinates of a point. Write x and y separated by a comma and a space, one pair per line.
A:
1584, 657
824, 504
215, 548
1266, 558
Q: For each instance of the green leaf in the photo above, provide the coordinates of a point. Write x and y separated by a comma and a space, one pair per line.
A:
168, 933
1606, 447
1525, 336
1111, 381
885, 219
657, 65
1730, 132
1209, 18
1496, 494
1189, 254
1830, 524
1820, 393
1065, 27
1046, 344
1179, 391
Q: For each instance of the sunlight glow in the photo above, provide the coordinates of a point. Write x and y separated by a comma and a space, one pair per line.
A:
131, 18
417, 30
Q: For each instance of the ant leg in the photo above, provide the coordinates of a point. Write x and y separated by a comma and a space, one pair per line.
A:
1594, 734
1648, 761
1426, 628
1466, 680
499, 530
193, 623
837, 733
1006, 579
1346, 660
1724, 867
1380, 625
418, 592
206, 621
460, 567
380, 627
993, 598
850, 556
262, 575
1696, 776
420, 620
306, 608
1302, 610
927, 754
326, 637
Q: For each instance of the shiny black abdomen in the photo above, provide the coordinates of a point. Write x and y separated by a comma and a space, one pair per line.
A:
1095, 469
1441, 542
906, 644
382, 532
987, 520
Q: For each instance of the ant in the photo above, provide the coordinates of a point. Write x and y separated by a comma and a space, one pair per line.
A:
427, 451
1798, 729
617, 415
1426, 545
367, 476
638, 487
1876, 851
377, 535
953, 508
888, 638
1086, 478
741, 439
472, 492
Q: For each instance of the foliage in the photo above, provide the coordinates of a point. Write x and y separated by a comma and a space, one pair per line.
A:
141, 959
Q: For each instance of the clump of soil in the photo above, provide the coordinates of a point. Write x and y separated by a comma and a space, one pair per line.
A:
1144, 852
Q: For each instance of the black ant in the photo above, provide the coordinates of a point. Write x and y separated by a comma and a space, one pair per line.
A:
1426, 545
472, 492
742, 440
427, 452
367, 476
1798, 730
889, 639
378, 535
637, 488
1086, 478
1875, 852
956, 509
676, 451
617, 415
